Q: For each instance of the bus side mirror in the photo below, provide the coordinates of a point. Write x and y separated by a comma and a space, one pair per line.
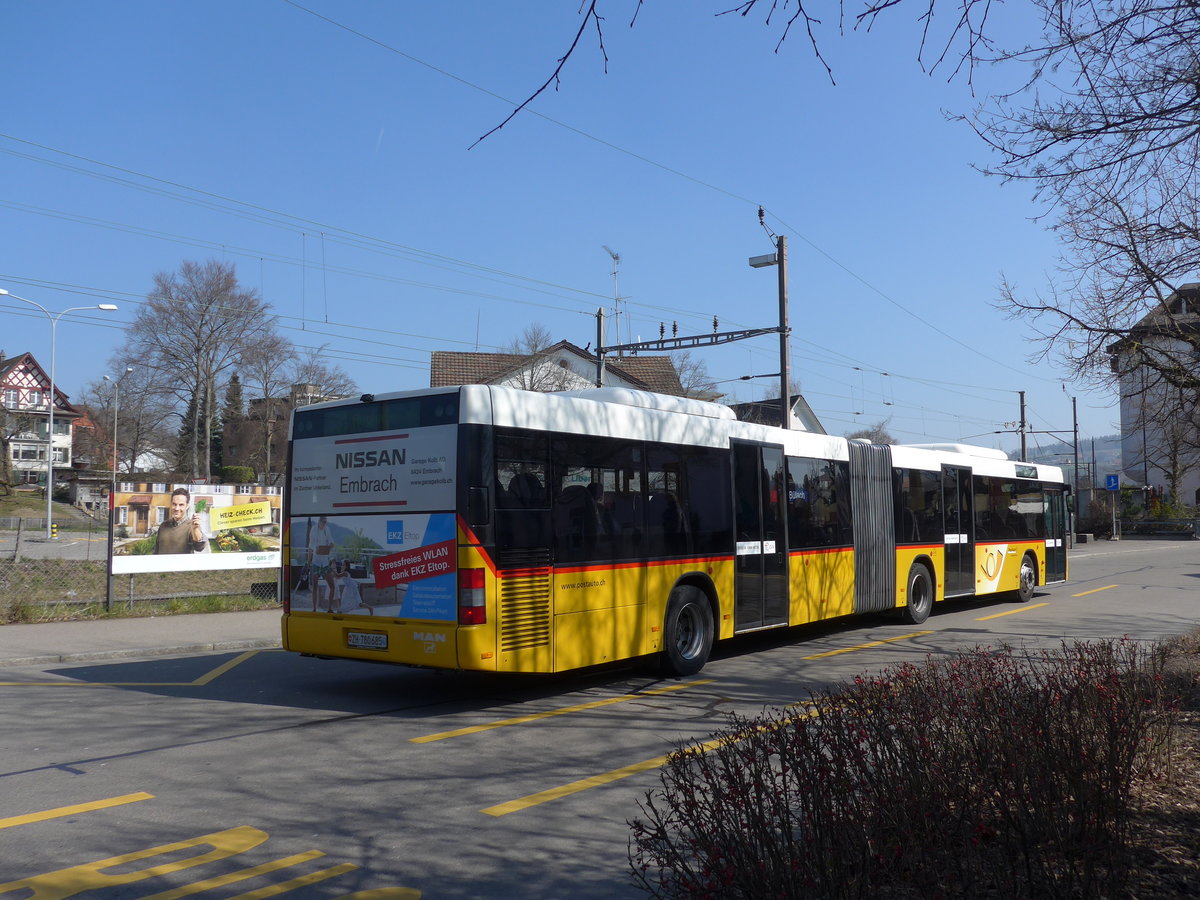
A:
477, 507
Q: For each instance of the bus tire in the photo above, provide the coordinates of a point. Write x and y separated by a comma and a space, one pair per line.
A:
687, 631
919, 596
1027, 580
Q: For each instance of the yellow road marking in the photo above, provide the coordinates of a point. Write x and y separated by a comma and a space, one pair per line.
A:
533, 717
45, 815
903, 637
1095, 590
303, 881
583, 784
199, 682
224, 667
233, 877
97, 875
1009, 612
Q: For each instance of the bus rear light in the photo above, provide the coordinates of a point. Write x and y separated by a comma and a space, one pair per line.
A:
472, 615
472, 598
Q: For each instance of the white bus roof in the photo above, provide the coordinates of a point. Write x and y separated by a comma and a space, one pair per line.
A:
643, 415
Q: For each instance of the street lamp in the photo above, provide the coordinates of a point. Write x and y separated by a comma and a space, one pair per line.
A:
779, 258
53, 317
116, 383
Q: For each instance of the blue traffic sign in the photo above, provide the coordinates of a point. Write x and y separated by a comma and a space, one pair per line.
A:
1112, 482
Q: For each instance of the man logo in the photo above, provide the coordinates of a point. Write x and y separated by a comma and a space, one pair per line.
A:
395, 533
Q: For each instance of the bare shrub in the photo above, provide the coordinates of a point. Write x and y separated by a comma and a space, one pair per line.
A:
990, 773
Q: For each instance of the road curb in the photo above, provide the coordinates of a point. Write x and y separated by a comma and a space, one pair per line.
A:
140, 652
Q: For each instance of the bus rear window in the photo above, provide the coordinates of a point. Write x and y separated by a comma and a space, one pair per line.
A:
384, 415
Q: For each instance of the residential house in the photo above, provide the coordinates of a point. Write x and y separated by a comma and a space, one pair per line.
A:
560, 367
25, 394
766, 412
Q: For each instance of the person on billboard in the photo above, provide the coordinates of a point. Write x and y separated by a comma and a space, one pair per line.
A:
180, 533
320, 545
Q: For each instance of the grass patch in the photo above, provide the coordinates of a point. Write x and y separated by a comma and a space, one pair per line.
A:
175, 606
31, 505
49, 590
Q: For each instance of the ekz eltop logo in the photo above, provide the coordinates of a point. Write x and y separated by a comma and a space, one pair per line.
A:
395, 533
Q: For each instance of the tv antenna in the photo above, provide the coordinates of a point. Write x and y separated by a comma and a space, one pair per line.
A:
616, 260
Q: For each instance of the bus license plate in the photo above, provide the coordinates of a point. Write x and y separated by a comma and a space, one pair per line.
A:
366, 640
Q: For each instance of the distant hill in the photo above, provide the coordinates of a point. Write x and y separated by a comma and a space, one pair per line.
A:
1104, 452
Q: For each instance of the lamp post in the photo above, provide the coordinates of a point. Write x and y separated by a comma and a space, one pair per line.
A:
53, 317
112, 491
779, 258
116, 383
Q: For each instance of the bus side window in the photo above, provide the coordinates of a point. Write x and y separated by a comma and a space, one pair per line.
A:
576, 523
597, 487
522, 500
666, 523
707, 497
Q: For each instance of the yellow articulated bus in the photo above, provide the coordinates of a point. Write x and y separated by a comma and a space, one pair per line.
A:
490, 528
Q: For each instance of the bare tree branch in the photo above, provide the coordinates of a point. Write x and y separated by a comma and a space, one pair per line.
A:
590, 15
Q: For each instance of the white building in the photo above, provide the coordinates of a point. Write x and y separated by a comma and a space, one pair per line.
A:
1156, 448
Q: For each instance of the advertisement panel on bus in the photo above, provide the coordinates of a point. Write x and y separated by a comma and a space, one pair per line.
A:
412, 469
400, 565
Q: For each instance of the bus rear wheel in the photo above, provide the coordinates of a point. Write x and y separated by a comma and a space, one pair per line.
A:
687, 631
920, 595
1028, 579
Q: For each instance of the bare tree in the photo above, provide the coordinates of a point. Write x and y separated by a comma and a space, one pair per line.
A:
876, 434
312, 366
1167, 418
1112, 142
145, 413
533, 368
196, 326
693, 376
267, 372
960, 41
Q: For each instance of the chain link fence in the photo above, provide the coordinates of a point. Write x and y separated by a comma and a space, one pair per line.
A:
45, 578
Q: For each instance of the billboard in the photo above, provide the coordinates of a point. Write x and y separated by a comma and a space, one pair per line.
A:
191, 527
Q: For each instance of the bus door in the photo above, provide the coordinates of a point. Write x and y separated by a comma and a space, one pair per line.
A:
761, 573
1056, 532
958, 511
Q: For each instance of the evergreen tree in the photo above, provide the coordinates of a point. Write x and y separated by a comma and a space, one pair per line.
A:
185, 456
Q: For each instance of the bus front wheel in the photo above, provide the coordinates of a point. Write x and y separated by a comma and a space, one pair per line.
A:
687, 631
1028, 579
920, 595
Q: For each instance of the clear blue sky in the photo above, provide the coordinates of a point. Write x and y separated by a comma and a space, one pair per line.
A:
336, 170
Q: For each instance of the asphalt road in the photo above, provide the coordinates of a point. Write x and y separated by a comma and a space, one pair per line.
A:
223, 774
